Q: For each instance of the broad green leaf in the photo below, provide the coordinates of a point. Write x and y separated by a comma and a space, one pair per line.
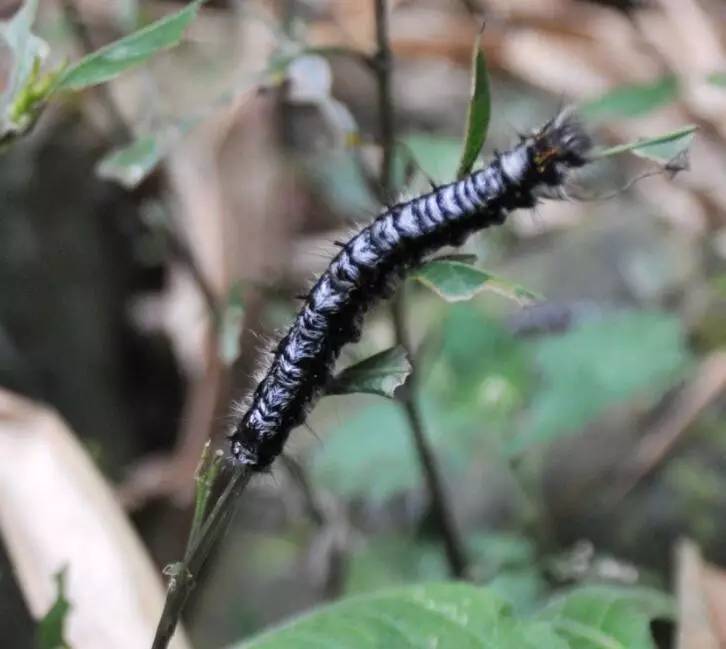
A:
662, 149
379, 374
50, 629
631, 100
128, 52
370, 454
479, 378
455, 281
607, 617
477, 121
443, 615
505, 563
482, 372
597, 365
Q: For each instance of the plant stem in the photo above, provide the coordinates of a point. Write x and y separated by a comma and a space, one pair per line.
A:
182, 581
442, 510
383, 67
440, 507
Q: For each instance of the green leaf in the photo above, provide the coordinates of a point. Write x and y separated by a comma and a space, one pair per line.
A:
49, 632
600, 364
372, 441
379, 374
662, 149
128, 52
437, 156
479, 379
632, 100
443, 615
129, 165
607, 617
477, 121
455, 281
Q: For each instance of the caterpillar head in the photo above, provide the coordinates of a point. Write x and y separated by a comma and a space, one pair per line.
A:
560, 145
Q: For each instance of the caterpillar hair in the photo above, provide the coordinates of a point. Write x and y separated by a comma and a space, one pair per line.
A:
368, 266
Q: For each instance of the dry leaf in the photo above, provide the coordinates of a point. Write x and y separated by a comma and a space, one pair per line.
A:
56, 510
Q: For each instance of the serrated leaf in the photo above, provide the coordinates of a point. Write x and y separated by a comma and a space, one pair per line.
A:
455, 281
479, 112
662, 149
128, 52
379, 374
600, 364
631, 100
607, 617
443, 615
50, 629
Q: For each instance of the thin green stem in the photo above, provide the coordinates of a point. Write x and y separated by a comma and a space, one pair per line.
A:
184, 573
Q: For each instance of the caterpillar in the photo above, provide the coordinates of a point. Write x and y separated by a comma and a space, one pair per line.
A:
369, 264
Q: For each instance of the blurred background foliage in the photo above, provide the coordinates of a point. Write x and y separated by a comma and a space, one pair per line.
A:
155, 231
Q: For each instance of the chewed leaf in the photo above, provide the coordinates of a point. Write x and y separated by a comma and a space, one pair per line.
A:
128, 52
379, 374
631, 100
477, 122
456, 281
50, 630
662, 149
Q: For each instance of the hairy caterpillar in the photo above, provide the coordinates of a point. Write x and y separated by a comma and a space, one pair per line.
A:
367, 266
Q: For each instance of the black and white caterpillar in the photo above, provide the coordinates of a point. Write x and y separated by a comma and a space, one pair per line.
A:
368, 265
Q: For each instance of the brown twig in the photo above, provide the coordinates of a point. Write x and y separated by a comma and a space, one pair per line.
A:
442, 510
